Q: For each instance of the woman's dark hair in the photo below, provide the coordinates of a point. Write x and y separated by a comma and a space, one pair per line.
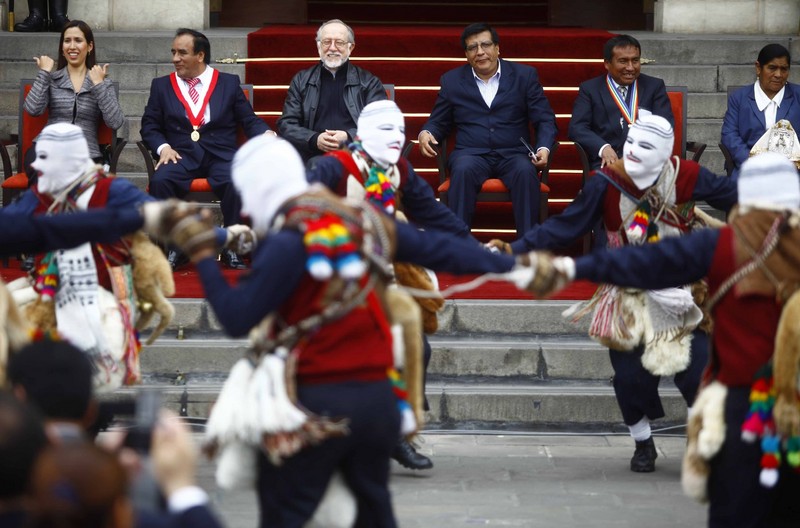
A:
87, 34
771, 52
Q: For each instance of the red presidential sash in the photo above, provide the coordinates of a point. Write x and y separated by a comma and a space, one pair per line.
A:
194, 120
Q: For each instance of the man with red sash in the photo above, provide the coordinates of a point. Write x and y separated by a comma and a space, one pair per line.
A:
640, 198
370, 167
344, 352
191, 123
753, 271
607, 105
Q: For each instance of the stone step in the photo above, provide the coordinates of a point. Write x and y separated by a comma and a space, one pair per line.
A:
196, 320
122, 47
567, 358
130, 75
466, 405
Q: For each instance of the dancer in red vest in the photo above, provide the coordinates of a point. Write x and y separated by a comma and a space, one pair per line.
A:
318, 300
744, 429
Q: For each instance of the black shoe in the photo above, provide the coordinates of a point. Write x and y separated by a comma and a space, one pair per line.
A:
28, 263
33, 23
176, 259
58, 23
232, 260
644, 458
408, 457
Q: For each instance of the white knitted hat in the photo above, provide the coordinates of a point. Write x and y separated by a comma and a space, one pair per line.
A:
769, 181
267, 171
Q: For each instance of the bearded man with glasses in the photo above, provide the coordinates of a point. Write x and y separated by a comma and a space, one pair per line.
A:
490, 103
324, 101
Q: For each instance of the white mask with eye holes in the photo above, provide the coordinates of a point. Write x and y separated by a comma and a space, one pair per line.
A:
62, 156
382, 131
647, 148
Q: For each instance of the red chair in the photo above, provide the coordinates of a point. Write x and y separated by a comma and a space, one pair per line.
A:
199, 190
493, 189
15, 180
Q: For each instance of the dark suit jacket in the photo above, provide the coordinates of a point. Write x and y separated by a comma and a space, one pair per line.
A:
165, 121
744, 123
596, 118
479, 129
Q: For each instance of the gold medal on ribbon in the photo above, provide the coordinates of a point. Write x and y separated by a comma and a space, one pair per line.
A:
195, 135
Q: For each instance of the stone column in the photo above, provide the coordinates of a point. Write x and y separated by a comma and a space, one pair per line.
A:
743, 17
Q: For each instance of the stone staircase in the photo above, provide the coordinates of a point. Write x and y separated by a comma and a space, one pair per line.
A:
498, 364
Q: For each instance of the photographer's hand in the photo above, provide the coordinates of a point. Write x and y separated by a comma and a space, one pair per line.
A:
173, 454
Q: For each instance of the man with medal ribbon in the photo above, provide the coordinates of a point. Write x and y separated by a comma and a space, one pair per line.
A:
607, 105
190, 123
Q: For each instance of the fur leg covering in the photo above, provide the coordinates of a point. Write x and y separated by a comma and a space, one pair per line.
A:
705, 436
14, 330
404, 311
784, 369
153, 282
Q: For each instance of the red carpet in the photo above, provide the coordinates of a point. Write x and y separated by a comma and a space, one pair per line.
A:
188, 286
427, 52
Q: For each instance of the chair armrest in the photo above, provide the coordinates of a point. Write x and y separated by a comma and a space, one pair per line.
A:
696, 148
407, 150
585, 165
544, 174
8, 170
728, 159
441, 160
148, 159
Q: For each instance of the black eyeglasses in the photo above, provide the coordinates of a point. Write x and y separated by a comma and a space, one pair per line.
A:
485, 46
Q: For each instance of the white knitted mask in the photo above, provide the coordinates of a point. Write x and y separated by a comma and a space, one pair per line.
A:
62, 156
647, 147
267, 171
382, 131
769, 181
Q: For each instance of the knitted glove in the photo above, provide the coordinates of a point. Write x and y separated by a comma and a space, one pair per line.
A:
195, 235
160, 217
241, 239
542, 274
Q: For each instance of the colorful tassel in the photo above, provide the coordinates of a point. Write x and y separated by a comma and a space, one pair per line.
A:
46, 282
760, 424
408, 423
330, 248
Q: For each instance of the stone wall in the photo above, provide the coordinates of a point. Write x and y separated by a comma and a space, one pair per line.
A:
743, 17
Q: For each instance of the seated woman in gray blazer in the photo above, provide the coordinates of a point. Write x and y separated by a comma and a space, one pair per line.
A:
77, 91
755, 108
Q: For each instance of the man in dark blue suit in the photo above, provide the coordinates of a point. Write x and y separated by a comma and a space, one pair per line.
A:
607, 105
490, 102
190, 123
